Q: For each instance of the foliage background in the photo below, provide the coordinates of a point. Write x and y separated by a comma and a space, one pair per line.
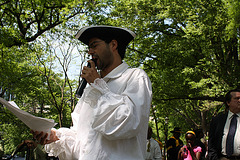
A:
189, 49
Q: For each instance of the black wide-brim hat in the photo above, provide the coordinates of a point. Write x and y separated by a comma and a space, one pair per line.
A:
122, 35
176, 130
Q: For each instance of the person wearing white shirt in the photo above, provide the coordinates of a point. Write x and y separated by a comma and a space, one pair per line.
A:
225, 127
110, 120
153, 151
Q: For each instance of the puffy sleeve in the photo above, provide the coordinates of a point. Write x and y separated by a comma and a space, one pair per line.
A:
119, 116
64, 147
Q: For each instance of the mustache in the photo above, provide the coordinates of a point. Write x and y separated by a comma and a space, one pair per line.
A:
94, 56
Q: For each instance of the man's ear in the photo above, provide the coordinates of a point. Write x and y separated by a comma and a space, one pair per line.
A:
228, 103
114, 44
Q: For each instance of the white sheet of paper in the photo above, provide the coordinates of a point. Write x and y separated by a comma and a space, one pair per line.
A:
13, 104
33, 122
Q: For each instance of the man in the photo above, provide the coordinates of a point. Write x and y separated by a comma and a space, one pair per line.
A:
110, 120
33, 151
220, 128
153, 148
174, 144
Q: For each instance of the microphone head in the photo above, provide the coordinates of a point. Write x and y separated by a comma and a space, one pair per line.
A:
83, 82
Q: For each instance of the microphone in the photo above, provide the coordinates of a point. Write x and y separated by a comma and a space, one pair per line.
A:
83, 82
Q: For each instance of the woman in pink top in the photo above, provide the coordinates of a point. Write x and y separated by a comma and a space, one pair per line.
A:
190, 151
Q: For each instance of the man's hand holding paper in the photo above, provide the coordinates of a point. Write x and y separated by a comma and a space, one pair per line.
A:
41, 137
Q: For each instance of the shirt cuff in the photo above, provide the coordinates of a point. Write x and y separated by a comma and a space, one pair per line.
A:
55, 148
95, 91
59, 146
100, 85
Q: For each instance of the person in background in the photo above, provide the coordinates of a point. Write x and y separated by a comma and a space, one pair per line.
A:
198, 142
153, 148
224, 133
110, 120
33, 150
190, 151
1, 148
160, 145
174, 144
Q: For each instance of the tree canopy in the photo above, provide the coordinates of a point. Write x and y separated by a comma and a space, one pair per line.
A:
189, 49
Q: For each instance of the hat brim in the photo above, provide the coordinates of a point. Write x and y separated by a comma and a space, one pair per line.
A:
122, 35
176, 131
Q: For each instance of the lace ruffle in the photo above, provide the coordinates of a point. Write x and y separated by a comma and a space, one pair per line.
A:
57, 147
95, 91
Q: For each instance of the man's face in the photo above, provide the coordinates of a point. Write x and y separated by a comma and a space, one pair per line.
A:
234, 104
100, 51
176, 135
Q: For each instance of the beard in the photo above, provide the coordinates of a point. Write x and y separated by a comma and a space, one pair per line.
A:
105, 59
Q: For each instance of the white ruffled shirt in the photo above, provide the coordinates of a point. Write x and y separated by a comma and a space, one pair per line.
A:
110, 121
